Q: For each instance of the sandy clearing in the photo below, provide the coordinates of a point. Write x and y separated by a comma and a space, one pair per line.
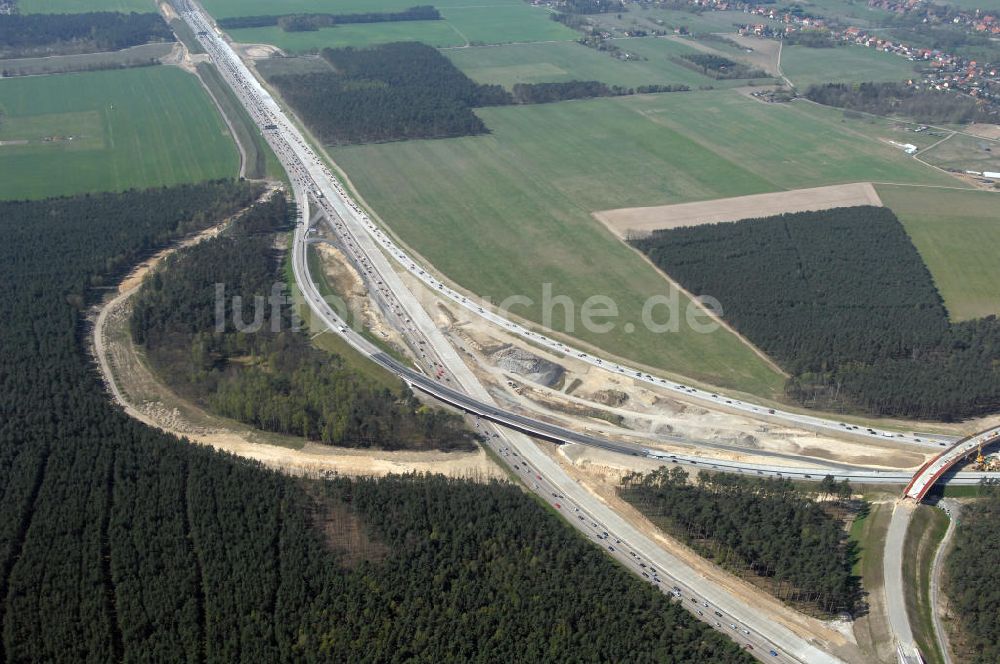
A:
645, 416
623, 221
260, 51
168, 11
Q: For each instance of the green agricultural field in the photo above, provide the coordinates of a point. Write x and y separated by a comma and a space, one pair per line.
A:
844, 64
875, 127
544, 63
109, 131
462, 24
852, 12
433, 33
964, 153
672, 19
520, 200
957, 234
226, 8
82, 6
502, 23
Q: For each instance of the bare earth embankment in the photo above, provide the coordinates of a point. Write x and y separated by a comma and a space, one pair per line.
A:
645, 219
143, 396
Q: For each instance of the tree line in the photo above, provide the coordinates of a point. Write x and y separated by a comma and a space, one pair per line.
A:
121, 543
39, 34
901, 100
843, 301
972, 578
761, 526
308, 22
546, 93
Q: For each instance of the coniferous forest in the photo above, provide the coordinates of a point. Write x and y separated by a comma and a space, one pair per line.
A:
248, 361
843, 301
391, 92
973, 576
121, 543
40, 34
762, 526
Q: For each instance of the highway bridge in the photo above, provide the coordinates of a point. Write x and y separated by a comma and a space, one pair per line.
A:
932, 471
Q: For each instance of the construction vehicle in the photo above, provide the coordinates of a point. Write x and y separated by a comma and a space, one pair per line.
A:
985, 463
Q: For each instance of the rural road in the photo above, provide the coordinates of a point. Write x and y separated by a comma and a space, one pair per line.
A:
952, 507
895, 598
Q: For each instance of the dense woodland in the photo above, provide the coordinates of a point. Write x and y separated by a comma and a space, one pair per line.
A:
972, 579
843, 301
308, 22
765, 527
719, 67
900, 100
391, 92
120, 543
264, 372
41, 34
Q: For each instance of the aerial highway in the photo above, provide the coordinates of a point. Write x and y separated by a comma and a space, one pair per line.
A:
764, 639
935, 469
443, 374
272, 119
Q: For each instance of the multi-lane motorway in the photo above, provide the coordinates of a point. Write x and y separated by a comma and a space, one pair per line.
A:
267, 112
444, 375
932, 472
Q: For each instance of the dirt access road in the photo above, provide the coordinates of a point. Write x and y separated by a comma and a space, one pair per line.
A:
143, 396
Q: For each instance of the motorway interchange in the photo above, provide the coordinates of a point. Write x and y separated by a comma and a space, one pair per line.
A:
443, 374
